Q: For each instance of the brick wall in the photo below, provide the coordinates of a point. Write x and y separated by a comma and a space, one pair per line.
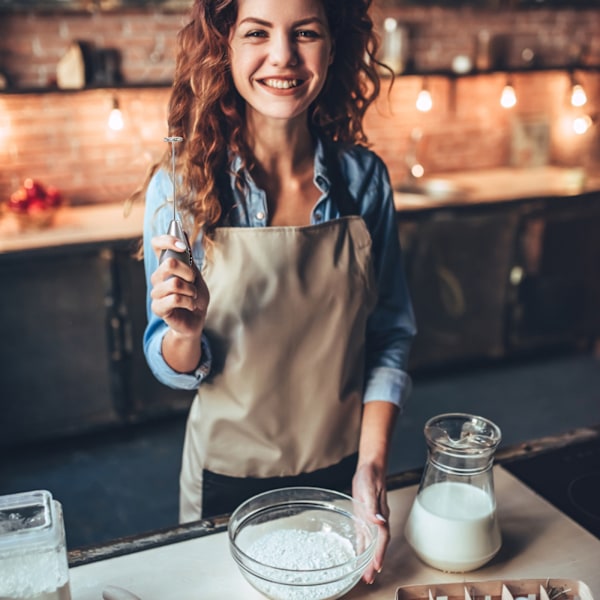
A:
468, 129
62, 137
32, 44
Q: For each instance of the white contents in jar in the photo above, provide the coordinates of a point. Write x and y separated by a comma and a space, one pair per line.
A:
61, 593
35, 575
452, 526
303, 553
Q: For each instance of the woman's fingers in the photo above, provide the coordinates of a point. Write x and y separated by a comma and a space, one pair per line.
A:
171, 266
167, 242
369, 488
173, 279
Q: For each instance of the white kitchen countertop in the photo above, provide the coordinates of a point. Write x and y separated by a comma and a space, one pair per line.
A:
539, 542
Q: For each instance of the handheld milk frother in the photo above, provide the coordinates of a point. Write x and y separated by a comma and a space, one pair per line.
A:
175, 227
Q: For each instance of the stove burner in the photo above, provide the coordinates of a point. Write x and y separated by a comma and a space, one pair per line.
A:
584, 493
569, 478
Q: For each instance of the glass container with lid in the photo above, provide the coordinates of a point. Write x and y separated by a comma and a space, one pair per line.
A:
452, 525
33, 553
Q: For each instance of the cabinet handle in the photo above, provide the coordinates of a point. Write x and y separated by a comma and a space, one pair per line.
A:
116, 352
516, 275
127, 332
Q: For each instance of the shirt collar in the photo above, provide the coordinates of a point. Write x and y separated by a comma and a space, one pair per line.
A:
321, 178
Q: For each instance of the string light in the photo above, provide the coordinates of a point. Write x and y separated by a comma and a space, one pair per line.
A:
424, 101
417, 170
508, 99
115, 118
578, 95
582, 124
4, 124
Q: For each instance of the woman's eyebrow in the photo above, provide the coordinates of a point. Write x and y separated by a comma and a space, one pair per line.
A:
255, 21
264, 23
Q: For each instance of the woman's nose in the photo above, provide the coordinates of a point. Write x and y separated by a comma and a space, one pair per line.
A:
283, 51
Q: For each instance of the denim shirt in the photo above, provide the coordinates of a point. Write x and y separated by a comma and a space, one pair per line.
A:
390, 327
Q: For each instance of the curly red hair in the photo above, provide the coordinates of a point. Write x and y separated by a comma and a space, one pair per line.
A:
206, 110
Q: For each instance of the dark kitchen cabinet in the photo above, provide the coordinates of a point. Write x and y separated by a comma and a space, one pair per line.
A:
457, 267
55, 358
71, 356
145, 396
503, 279
555, 285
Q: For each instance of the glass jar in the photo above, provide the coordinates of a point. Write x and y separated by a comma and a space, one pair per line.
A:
395, 45
33, 552
452, 525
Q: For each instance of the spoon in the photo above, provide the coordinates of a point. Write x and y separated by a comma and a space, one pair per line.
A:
112, 592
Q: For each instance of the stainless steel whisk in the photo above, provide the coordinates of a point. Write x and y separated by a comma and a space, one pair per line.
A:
175, 227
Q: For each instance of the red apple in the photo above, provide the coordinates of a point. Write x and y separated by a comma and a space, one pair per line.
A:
53, 197
19, 201
37, 206
34, 189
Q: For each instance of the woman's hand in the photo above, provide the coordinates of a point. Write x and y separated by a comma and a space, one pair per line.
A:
369, 487
369, 483
180, 297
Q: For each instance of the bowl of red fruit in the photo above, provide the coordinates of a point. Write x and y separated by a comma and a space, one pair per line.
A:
34, 205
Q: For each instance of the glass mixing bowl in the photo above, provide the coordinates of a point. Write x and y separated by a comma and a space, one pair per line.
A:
302, 543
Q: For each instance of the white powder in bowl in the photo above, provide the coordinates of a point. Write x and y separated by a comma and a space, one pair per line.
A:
304, 553
301, 550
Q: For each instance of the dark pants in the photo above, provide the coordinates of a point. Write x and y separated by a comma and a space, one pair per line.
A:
222, 494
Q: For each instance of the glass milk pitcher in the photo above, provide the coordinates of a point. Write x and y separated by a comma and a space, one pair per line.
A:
452, 525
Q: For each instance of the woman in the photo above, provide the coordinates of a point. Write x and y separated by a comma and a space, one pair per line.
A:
296, 331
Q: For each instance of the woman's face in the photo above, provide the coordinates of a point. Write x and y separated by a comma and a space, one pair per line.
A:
280, 52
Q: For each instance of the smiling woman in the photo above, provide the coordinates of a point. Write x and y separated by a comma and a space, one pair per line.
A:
281, 66
294, 324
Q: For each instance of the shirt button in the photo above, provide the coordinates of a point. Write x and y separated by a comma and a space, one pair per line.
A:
260, 215
318, 217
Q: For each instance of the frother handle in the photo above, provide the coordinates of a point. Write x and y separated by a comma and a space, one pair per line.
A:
185, 256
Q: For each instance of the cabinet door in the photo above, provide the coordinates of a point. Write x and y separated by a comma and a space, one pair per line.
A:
55, 371
556, 280
457, 266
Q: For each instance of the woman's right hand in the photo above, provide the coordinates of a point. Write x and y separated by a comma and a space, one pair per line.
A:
179, 293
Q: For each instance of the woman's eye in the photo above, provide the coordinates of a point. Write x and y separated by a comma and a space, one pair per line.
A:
256, 33
307, 33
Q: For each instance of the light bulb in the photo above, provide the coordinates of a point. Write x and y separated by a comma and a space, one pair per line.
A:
390, 24
4, 126
578, 95
424, 101
417, 170
115, 118
508, 99
582, 124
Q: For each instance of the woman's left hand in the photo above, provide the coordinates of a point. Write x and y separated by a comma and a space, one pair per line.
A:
369, 487
369, 484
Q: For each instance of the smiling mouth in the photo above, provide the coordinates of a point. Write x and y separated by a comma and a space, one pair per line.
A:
282, 84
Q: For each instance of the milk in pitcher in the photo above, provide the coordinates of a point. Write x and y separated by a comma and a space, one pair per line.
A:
453, 527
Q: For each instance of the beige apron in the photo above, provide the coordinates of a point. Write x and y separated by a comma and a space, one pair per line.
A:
286, 322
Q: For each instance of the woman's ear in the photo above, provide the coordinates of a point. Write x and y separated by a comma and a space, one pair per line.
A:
331, 54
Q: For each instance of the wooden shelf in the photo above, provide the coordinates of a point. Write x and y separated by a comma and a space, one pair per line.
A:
88, 88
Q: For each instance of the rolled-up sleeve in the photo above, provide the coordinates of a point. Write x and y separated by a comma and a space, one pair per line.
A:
158, 213
391, 327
